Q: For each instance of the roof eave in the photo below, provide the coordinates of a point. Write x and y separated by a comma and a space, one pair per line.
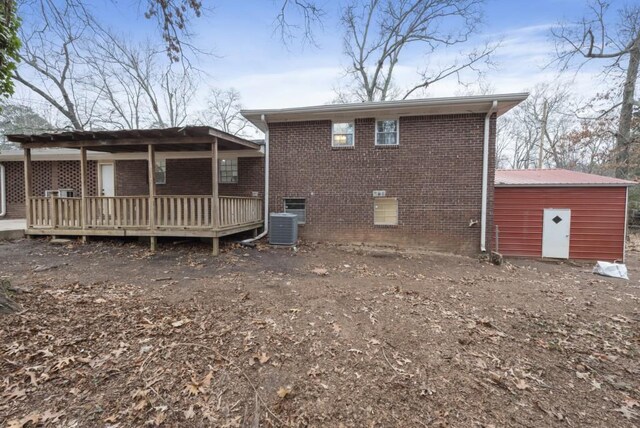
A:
431, 106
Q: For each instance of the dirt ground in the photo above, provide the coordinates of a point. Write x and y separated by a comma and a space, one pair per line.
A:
333, 336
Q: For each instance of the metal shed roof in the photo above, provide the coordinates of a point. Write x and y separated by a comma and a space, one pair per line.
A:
555, 178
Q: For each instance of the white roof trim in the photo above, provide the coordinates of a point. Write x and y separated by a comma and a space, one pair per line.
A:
414, 107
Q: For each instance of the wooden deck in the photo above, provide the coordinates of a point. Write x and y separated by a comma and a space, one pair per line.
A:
189, 216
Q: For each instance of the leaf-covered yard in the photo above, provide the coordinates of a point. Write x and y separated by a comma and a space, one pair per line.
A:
110, 335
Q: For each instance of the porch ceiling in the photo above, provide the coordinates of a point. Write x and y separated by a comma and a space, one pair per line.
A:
188, 138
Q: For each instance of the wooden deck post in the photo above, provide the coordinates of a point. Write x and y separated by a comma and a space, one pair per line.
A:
152, 193
27, 185
83, 192
215, 201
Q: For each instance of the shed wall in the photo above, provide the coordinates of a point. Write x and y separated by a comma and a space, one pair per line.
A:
597, 220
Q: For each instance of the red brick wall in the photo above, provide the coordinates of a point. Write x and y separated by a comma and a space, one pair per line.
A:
189, 177
46, 175
435, 172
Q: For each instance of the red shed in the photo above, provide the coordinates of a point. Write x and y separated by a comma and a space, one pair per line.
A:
560, 214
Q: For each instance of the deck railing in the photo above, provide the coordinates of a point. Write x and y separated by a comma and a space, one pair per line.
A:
117, 212
236, 210
56, 212
184, 211
132, 212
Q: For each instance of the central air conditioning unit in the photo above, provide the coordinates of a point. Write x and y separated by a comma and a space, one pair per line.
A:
49, 193
283, 229
66, 193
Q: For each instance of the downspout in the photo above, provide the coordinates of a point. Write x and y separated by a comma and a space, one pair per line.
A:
266, 185
3, 192
485, 176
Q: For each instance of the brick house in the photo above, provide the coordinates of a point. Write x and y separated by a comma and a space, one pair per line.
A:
399, 172
413, 173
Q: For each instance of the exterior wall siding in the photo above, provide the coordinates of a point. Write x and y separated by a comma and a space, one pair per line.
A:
597, 220
46, 175
435, 173
189, 177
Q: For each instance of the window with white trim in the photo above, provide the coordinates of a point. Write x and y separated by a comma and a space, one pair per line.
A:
228, 171
297, 206
387, 132
161, 171
342, 134
385, 211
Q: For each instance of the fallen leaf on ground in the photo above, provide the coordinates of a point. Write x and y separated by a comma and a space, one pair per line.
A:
189, 414
320, 271
283, 391
180, 323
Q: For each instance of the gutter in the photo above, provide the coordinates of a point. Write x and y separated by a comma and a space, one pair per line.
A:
3, 192
266, 185
485, 176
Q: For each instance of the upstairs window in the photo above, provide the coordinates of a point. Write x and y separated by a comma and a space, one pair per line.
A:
387, 132
161, 171
342, 134
298, 207
228, 170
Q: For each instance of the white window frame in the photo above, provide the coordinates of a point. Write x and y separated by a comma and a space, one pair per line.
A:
353, 134
386, 119
160, 164
397, 212
220, 162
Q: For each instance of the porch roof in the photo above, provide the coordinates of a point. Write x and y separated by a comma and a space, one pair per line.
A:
187, 138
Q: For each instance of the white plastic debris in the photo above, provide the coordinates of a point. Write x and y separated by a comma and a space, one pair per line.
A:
614, 270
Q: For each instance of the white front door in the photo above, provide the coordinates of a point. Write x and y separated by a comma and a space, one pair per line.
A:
106, 180
556, 231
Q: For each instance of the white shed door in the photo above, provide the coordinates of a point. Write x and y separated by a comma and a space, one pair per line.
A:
556, 231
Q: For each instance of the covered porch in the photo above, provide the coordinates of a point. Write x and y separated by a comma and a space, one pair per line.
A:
150, 215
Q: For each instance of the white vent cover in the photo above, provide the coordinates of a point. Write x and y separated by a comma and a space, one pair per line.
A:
379, 193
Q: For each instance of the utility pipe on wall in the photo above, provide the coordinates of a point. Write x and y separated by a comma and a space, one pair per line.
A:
3, 192
266, 184
485, 175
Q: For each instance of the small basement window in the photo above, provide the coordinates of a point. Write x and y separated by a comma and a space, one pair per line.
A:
385, 211
342, 134
387, 132
298, 207
228, 171
161, 171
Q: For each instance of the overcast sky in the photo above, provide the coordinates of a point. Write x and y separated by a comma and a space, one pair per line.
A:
250, 56
252, 59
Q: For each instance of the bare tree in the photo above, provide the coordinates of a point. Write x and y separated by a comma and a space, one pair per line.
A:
137, 87
520, 131
570, 139
223, 112
378, 32
50, 66
291, 12
17, 118
617, 45
95, 79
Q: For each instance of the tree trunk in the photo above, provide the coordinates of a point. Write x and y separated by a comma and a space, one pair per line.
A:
623, 136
